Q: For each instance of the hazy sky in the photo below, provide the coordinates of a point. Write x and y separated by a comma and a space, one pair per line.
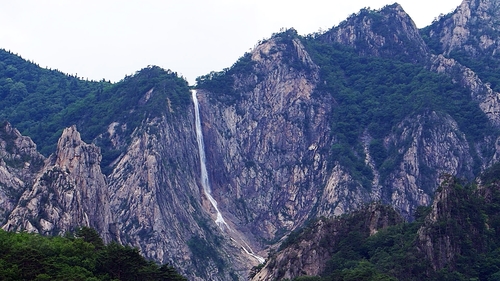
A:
113, 38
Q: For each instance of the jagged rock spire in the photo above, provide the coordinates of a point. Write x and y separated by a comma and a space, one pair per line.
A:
69, 192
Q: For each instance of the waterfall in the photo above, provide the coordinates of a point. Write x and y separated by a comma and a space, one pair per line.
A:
203, 167
235, 236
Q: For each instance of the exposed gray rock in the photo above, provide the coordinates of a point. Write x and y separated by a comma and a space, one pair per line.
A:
268, 151
471, 28
489, 101
429, 145
312, 248
268, 144
19, 162
70, 191
388, 32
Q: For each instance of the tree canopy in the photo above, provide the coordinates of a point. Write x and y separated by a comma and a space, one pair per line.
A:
83, 256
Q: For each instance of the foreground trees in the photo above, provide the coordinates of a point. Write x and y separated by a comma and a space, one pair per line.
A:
82, 256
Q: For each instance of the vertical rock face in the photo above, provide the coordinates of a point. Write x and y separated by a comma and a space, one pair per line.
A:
19, 162
268, 151
157, 204
470, 36
70, 191
154, 193
151, 200
424, 151
342, 194
489, 100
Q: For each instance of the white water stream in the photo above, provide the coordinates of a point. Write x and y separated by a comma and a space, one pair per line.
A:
206, 184
204, 175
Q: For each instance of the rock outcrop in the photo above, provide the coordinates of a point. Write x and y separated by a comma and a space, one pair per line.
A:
489, 100
459, 221
429, 145
19, 162
389, 32
69, 191
469, 36
471, 28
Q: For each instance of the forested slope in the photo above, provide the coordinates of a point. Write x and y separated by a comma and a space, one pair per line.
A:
41, 102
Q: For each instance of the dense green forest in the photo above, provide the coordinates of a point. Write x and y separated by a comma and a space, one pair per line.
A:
376, 94
40, 102
469, 220
30, 97
82, 256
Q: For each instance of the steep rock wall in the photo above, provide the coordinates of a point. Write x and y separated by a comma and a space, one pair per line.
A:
268, 151
70, 191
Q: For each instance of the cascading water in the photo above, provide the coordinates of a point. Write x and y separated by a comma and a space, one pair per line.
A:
204, 175
235, 236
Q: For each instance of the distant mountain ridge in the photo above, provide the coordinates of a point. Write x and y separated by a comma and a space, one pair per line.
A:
373, 110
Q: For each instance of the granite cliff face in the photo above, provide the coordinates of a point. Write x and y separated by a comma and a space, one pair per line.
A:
157, 202
465, 44
488, 99
429, 145
471, 28
69, 191
268, 151
456, 233
271, 143
150, 201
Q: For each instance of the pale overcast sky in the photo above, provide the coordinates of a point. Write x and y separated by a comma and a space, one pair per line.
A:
113, 38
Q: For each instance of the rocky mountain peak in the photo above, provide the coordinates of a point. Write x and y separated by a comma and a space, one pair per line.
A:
70, 191
282, 147
14, 143
388, 32
284, 47
18, 153
471, 28
73, 154
465, 42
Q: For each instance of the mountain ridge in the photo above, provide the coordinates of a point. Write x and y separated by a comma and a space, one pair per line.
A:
298, 128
